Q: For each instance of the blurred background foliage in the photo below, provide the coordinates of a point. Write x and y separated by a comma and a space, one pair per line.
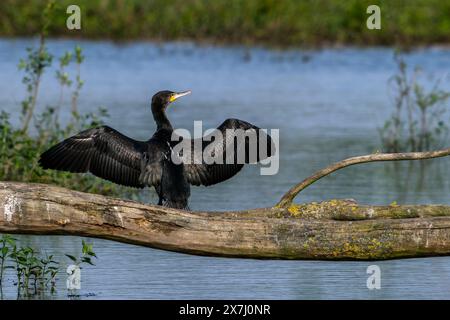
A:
267, 22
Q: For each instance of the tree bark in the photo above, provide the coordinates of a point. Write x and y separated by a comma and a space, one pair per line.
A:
332, 230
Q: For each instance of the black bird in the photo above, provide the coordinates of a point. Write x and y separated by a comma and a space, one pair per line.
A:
113, 156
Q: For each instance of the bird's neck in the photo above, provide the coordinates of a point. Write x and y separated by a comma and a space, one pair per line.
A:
161, 119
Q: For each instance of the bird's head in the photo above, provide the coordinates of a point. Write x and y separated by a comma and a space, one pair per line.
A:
163, 98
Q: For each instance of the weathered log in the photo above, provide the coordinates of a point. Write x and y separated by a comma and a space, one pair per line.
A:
334, 230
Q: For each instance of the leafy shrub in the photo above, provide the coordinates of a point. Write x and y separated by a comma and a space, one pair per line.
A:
21, 145
417, 123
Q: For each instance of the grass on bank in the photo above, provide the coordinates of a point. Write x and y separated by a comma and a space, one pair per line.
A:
269, 22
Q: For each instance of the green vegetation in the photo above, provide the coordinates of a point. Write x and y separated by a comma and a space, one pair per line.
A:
6, 242
35, 272
21, 145
417, 123
30, 266
87, 253
271, 22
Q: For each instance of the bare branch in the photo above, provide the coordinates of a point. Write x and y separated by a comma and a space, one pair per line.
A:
287, 199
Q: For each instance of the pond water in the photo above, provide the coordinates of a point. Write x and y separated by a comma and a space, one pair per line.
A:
328, 105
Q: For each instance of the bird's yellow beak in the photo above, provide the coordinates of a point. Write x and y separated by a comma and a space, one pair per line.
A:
177, 95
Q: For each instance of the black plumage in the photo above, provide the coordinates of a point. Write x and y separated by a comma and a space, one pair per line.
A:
110, 155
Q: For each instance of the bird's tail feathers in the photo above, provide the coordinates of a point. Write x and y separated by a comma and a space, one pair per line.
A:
176, 204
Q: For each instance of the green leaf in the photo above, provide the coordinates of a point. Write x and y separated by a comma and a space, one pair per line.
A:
87, 260
71, 257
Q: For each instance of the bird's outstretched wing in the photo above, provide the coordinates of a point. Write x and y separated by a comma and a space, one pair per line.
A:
201, 173
102, 151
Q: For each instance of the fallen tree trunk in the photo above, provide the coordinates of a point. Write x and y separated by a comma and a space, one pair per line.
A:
335, 230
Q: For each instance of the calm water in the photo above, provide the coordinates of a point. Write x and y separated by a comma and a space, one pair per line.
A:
327, 104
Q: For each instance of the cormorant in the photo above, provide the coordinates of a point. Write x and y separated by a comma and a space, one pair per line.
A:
113, 156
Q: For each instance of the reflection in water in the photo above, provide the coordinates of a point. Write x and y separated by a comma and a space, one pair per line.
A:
327, 106
413, 178
126, 271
